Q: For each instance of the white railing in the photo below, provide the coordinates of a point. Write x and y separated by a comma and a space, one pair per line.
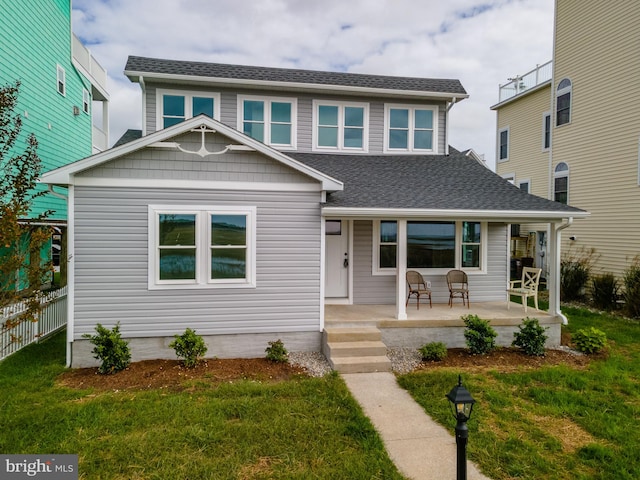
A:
51, 318
98, 140
82, 55
522, 83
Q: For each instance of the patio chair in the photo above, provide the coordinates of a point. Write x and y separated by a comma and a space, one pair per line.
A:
417, 286
458, 286
528, 287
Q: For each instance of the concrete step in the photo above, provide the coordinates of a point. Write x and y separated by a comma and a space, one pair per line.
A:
355, 349
365, 364
352, 334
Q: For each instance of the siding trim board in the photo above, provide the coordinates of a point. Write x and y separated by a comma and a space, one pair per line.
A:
195, 184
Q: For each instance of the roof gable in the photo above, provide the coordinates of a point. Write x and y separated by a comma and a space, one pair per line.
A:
64, 175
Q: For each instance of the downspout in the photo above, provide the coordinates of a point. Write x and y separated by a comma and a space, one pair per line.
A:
56, 194
144, 106
446, 125
556, 292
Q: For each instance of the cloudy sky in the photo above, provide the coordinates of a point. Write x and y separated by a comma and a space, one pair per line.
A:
481, 43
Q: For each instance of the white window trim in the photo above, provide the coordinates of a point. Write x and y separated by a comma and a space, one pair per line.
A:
203, 247
341, 126
412, 108
482, 269
544, 118
505, 159
267, 118
188, 103
61, 78
525, 180
562, 174
559, 93
86, 101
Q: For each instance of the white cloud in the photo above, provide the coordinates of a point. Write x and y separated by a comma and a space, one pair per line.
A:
479, 43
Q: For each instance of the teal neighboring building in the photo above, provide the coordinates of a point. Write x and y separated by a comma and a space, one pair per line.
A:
63, 98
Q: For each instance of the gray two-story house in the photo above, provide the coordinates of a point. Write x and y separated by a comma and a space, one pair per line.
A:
255, 199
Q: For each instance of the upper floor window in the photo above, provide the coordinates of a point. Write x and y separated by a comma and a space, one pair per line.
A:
192, 247
546, 131
269, 120
86, 101
410, 128
503, 145
175, 106
340, 126
525, 185
561, 183
61, 81
563, 102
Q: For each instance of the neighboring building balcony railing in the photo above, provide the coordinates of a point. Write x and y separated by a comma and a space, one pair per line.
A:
99, 140
97, 75
522, 83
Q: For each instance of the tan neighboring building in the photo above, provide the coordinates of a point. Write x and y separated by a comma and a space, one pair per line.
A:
569, 130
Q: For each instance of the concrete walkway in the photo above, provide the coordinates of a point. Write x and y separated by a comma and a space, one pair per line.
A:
420, 448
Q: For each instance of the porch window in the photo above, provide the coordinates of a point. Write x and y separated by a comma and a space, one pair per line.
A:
410, 128
431, 244
176, 106
470, 245
268, 120
201, 247
388, 243
340, 126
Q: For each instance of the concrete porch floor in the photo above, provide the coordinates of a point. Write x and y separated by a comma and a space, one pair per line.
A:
384, 316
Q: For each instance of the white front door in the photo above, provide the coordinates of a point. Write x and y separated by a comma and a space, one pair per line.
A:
336, 263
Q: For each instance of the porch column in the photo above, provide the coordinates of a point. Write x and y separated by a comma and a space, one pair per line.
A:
553, 264
401, 262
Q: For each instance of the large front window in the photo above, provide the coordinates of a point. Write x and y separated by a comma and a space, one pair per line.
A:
340, 126
201, 246
430, 245
268, 120
176, 106
410, 128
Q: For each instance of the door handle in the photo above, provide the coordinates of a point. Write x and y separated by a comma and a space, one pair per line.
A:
345, 263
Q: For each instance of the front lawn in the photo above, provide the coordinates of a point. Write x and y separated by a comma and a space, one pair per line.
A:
555, 422
304, 428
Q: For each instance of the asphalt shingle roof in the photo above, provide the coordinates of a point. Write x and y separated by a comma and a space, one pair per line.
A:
443, 182
147, 65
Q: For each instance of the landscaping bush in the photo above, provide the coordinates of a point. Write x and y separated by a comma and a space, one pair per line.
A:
190, 347
604, 291
530, 337
110, 349
479, 335
434, 351
575, 269
276, 352
590, 340
631, 294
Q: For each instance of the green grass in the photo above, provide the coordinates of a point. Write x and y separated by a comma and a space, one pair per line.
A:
301, 429
556, 422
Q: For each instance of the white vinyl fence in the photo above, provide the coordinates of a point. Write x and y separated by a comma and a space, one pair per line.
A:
51, 318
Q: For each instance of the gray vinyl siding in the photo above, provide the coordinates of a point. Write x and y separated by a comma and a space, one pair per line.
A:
111, 265
380, 289
229, 106
173, 164
367, 288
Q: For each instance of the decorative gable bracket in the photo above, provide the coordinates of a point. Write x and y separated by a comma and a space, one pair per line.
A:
203, 152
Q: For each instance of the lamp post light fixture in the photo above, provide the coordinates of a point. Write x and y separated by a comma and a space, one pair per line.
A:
461, 406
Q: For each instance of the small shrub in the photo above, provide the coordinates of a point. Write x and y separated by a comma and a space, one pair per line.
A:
434, 351
479, 335
590, 340
276, 352
575, 269
190, 347
110, 349
631, 293
530, 337
604, 291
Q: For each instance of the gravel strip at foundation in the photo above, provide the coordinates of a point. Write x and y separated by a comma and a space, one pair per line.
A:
404, 359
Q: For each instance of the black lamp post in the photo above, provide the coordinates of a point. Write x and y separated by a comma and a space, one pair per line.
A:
461, 406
